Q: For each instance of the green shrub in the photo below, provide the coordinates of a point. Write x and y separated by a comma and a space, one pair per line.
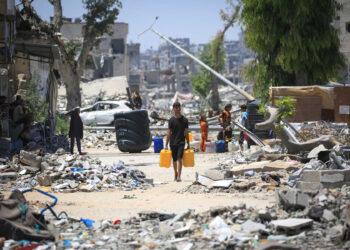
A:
62, 126
35, 101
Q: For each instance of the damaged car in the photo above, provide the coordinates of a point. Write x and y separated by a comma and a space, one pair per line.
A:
102, 112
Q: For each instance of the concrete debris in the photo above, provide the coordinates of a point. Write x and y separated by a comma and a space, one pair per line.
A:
69, 173
340, 133
292, 225
220, 228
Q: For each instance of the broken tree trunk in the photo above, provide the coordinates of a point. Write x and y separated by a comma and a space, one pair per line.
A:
292, 146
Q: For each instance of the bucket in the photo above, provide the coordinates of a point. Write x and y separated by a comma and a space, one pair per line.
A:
158, 145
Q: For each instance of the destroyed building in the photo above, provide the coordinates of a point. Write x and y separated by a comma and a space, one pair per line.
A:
342, 23
26, 54
135, 73
110, 57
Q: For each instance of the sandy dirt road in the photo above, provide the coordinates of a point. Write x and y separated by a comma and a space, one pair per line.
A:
162, 197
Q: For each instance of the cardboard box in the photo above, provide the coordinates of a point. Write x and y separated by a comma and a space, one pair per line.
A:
342, 104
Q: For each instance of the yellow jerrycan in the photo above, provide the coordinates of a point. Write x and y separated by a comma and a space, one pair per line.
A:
188, 158
165, 158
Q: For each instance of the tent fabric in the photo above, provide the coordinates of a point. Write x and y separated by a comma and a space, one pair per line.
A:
326, 93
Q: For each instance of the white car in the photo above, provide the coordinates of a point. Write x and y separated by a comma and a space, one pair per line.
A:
102, 112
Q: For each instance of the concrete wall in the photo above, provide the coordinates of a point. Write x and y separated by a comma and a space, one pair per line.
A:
72, 31
134, 55
344, 27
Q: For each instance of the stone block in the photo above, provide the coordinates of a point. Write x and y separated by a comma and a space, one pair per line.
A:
292, 199
332, 177
334, 184
346, 175
308, 186
44, 180
311, 176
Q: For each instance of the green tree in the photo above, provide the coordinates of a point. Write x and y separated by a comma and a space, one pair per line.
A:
213, 55
202, 83
294, 42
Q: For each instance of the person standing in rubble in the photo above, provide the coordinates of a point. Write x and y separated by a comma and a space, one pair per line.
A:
177, 133
204, 131
19, 117
76, 130
225, 117
137, 101
244, 121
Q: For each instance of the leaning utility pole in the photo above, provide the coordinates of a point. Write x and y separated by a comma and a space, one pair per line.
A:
218, 75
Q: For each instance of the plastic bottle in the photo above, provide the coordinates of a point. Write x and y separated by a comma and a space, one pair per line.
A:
245, 145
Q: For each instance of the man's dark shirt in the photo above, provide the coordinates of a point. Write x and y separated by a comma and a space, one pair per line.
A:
177, 127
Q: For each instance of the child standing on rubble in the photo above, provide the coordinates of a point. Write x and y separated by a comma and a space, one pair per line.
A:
244, 121
225, 117
177, 133
204, 131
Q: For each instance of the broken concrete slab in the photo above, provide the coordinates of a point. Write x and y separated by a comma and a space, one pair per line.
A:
215, 174
275, 245
292, 224
180, 216
30, 159
221, 184
267, 166
8, 175
328, 215
205, 181
292, 199
314, 153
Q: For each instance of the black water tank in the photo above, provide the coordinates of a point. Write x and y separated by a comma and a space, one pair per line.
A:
254, 117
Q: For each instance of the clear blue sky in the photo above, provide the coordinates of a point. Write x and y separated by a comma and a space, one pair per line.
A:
198, 20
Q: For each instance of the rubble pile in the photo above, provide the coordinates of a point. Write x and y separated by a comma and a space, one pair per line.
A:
248, 181
68, 173
323, 222
99, 139
314, 130
256, 170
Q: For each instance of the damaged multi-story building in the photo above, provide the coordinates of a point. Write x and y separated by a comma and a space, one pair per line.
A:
110, 57
26, 54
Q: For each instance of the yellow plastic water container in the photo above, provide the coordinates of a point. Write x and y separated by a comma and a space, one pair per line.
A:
165, 158
188, 158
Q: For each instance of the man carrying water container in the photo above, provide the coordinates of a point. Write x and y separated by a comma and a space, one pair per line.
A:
177, 132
